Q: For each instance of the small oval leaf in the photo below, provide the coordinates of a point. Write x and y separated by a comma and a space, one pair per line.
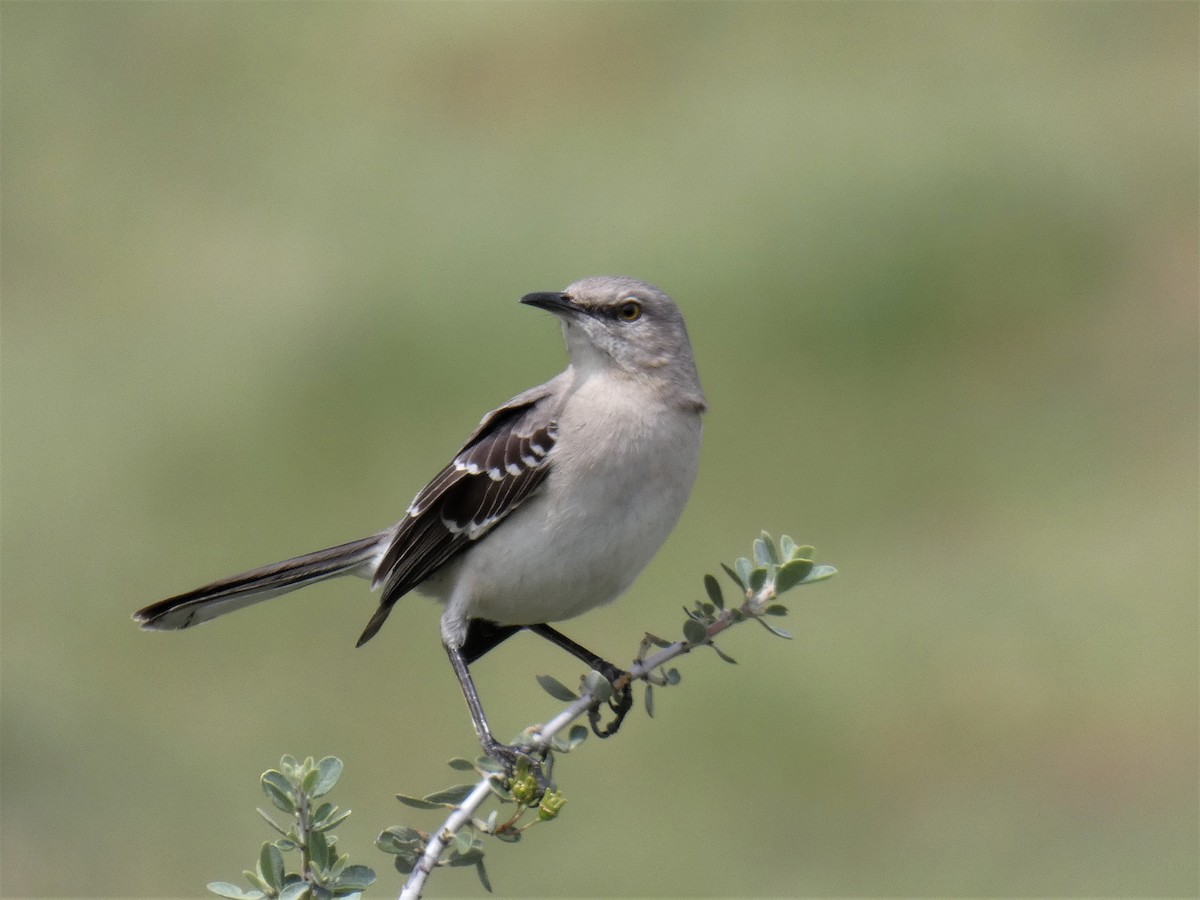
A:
270, 863
757, 579
417, 802
597, 686
451, 796
398, 839
556, 688
328, 770
734, 576
694, 632
787, 547
792, 573
232, 891
356, 877
713, 589
743, 567
820, 573
279, 791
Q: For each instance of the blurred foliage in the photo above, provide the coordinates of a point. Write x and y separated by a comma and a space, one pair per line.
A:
939, 263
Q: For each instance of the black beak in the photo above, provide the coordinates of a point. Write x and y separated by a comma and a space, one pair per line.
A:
552, 301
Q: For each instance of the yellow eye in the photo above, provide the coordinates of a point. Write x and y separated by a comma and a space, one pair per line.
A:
629, 311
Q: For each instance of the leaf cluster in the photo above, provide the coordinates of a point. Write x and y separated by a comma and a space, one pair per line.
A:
775, 569
323, 873
466, 846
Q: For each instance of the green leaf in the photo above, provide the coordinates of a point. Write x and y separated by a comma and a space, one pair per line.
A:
335, 871
400, 839
820, 573
694, 632
417, 802
713, 589
279, 791
805, 551
734, 576
597, 686
451, 796
576, 736
758, 578
743, 567
232, 891
308, 781
324, 811
787, 547
791, 574
295, 891
257, 880
328, 771
270, 821
724, 656
673, 676
462, 765
556, 688
487, 764
270, 863
765, 553
778, 632
333, 822
649, 700
356, 877
319, 850
776, 609
469, 858
405, 864
483, 876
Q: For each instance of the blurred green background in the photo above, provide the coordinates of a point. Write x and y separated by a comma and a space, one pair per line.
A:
939, 262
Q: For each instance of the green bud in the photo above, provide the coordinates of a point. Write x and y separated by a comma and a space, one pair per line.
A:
551, 805
524, 789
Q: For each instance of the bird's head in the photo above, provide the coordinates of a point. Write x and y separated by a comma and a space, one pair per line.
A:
615, 323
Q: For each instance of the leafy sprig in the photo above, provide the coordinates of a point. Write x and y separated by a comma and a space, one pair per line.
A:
322, 874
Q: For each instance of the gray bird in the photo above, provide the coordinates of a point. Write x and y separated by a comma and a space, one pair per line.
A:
552, 507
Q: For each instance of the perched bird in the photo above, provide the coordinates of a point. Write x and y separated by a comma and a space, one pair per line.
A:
552, 507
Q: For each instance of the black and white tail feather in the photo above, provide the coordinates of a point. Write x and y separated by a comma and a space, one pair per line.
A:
501, 465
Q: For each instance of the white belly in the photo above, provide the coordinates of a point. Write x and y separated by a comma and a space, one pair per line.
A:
583, 538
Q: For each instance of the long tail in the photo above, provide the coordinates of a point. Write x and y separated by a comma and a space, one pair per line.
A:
238, 591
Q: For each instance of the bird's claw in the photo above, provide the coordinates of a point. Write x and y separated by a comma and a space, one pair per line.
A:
527, 773
620, 702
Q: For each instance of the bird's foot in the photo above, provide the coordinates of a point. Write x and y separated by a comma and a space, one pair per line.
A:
620, 701
526, 770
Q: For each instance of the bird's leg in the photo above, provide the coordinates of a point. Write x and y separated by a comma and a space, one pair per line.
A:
621, 700
512, 758
483, 637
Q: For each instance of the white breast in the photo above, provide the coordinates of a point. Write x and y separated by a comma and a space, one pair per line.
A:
594, 525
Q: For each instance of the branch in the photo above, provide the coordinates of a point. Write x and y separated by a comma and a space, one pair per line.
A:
775, 573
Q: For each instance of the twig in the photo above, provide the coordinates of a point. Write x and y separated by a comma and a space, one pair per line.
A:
641, 668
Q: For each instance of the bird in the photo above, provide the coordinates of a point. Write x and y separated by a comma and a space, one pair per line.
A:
552, 507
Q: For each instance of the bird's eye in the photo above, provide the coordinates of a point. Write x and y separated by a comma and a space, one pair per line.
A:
629, 311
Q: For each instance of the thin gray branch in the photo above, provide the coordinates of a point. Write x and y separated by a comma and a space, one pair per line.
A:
752, 608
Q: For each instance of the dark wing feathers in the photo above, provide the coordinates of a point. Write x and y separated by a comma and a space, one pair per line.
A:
498, 468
